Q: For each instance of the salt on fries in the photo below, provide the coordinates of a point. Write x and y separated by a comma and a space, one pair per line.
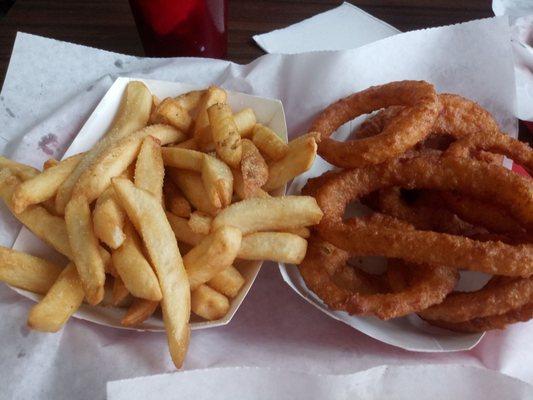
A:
132, 115
109, 219
59, 303
167, 173
148, 215
133, 269
27, 272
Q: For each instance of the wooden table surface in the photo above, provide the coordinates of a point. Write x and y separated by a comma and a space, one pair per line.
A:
108, 24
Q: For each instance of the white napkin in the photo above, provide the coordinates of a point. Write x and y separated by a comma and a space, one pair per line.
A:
435, 382
513, 8
274, 326
341, 28
348, 27
520, 13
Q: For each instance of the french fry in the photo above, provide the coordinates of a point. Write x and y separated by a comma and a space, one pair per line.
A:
273, 246
238, 187
51, 162
183, 158
108, 262
129, 173
148, 216
200, 222
85, 249
170, 112
43, 186
107, 301
225, 134
108, 219
204, 140
302, 232
218, 181
299, 158
47, 227
22, 171
155, 102
120, 292
212, 95
116, 158
131, 116
183, 231
50, 204
27, 272
149, 169
216, 176
132, 267
187, 144
214, 253
269, 214
190, 100
208, 303
254, 169
245, 121
190, 183
139, 311
62, 300
175, 201
229, 282
106, 259
269, 143
122, 180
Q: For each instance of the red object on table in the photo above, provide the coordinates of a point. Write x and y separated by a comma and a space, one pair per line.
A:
170, 28
529, 125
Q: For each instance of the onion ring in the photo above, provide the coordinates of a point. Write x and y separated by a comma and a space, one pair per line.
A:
500, 321
492, 300
474, 178
449, 212
425, 213
374, 124
458, 118
428, 285
403, 132
495, 142
481, 213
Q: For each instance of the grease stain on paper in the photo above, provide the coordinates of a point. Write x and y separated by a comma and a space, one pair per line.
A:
10, 113
119, 64
47, 141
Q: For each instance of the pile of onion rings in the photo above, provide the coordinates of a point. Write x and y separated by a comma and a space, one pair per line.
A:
430, 168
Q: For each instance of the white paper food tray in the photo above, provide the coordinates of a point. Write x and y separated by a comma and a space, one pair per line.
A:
409, 333
268, 112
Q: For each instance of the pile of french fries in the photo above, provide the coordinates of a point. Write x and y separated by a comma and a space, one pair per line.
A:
183, 175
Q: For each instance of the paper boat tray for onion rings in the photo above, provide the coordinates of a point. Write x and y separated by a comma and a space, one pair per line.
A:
268, 112
410, 332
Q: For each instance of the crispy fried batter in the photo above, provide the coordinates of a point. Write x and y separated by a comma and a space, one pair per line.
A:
402, 133
474, 178
364, 294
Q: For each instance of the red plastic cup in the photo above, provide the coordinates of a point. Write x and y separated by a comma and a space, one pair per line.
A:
529, 125
188, 28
